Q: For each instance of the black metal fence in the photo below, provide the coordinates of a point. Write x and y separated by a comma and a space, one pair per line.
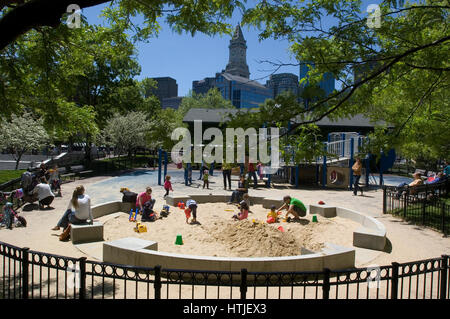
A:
426, 205
30, 274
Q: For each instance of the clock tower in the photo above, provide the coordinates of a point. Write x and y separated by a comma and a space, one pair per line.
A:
237, 62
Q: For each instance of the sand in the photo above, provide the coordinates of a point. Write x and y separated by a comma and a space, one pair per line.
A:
217, 234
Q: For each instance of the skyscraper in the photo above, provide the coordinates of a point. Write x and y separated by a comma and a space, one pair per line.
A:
203, 86
237, 61
327, 83
167, 87
234, 82
281, 82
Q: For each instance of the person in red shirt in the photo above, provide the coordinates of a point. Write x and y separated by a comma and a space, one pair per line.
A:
144, 197
167, 186
244, 211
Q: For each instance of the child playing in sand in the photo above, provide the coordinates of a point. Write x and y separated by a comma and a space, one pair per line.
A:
246, 199
272, 216
244, 211
167, 185
206, 179
191, 208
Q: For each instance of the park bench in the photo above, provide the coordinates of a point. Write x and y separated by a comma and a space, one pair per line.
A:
69, 176
85, 173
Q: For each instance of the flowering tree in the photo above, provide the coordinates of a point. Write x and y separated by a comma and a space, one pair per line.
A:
126, 132
22, 134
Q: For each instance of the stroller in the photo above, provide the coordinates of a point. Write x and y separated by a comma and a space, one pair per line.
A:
28, 183
9, 216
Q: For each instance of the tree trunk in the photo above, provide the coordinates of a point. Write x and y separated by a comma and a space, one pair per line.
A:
18, 157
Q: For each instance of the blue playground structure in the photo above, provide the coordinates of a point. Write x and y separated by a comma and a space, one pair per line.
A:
334, 169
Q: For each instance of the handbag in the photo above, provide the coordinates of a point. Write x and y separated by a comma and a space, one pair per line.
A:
65, 234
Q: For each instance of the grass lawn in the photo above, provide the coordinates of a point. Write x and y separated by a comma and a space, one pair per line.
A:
8, 175
430, 214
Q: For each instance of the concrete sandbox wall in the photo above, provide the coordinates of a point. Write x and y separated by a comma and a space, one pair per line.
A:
138, 252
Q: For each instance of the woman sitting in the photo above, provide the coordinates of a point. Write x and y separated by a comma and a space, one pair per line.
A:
401, 188
242, 189
78, 212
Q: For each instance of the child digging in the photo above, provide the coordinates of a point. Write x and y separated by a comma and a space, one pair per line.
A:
244, 211
272, 216
191, 208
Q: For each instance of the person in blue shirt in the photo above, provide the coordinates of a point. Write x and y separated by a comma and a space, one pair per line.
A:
446, 170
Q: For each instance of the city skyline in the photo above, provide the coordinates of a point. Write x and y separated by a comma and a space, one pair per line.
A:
187, 58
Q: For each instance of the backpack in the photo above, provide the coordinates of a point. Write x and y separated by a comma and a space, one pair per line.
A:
148, 214
129, 197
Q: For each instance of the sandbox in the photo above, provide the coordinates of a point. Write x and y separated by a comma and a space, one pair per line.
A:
218, 244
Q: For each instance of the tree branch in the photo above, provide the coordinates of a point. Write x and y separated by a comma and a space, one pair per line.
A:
36, 13
384, 68
427, 67
422, 99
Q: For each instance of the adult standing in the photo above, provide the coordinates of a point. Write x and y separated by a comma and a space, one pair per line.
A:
43, 193
43, 172
357, 171
293, 206
78, 212
252, 174
259, 168
226, 172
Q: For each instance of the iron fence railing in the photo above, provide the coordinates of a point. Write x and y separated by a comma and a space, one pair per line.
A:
425, 204
27, 274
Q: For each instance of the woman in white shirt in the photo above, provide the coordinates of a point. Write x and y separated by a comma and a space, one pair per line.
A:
78, 211
44, 194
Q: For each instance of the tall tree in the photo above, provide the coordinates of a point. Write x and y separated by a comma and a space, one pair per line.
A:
396, 71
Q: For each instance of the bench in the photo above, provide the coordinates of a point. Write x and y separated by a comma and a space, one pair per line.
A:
70, 176
374, 239
86, 233
85, 173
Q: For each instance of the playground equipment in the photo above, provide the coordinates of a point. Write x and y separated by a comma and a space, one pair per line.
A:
133, 215
161, 154
334, 169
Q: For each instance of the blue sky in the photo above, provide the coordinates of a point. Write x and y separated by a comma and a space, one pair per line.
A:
187, 58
